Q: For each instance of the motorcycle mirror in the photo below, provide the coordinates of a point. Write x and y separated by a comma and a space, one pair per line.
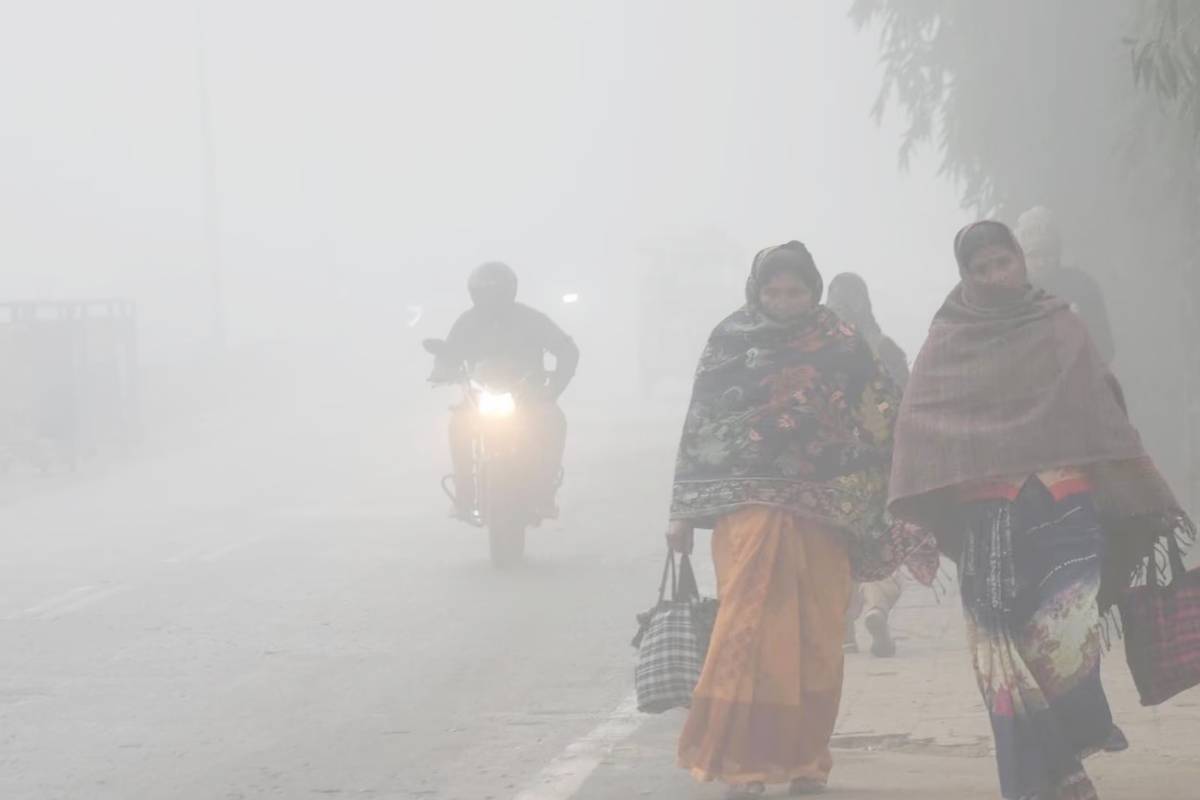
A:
435, 347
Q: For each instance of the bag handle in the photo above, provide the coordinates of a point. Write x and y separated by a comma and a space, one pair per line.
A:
668, 572
687, 588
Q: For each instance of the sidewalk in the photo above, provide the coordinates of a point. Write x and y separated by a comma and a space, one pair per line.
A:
913, 726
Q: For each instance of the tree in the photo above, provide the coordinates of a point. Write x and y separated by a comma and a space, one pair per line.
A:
1166, 59
1089, 107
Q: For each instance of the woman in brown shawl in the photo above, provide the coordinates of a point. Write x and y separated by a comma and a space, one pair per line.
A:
785, 455
1013, 446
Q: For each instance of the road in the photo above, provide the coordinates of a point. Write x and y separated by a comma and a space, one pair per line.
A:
282, 610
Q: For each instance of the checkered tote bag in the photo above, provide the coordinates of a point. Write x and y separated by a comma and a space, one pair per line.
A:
1162, 630
672, 640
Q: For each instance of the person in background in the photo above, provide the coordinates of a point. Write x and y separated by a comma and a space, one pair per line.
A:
784, 454
850, 299
514, 339
1039, 236
1013, 446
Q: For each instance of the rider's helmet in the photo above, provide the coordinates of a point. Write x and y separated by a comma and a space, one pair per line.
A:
493, 284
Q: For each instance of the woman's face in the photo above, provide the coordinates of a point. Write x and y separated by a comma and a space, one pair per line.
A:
786, 298
996, 268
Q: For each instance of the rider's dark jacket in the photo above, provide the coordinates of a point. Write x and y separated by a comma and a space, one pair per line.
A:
516, 337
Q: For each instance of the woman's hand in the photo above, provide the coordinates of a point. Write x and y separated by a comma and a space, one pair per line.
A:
681, 536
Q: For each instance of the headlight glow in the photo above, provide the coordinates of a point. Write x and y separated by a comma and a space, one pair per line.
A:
496, 405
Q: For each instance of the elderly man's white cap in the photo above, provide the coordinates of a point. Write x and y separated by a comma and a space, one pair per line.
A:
1037, 231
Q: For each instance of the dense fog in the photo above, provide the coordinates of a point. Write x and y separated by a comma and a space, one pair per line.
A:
239, 578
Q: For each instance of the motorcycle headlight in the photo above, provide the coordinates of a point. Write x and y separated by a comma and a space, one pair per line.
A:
492, 404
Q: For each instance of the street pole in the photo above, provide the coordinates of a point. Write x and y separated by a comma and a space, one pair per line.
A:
212, 203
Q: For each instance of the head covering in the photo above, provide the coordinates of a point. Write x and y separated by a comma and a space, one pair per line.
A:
983, 294
851, 300
791, 257
978, 235
1038, 232
1012, 391
795, 416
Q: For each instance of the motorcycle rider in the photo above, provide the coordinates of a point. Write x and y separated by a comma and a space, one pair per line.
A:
514, 338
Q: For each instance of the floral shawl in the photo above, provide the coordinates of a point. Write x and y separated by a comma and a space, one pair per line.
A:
798, 417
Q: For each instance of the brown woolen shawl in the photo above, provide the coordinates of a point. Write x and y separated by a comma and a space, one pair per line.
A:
1012, 391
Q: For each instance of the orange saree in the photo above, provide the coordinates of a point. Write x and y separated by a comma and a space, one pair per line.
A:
767, 700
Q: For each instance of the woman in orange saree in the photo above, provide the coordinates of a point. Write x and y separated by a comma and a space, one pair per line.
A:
784, 454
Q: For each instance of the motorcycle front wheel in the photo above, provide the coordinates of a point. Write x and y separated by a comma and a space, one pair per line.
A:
505, 522
506, 542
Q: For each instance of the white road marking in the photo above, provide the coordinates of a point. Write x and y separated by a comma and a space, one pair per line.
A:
50, 604
84, 602
75, 600
221, 552
209, 554
357, 513
186, 555
563, 776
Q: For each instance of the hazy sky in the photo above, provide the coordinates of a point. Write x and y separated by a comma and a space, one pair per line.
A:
370, 153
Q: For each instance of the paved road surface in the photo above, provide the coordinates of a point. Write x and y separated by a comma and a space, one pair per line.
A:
284, 612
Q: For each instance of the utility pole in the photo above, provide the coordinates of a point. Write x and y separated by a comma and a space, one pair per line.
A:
212, 201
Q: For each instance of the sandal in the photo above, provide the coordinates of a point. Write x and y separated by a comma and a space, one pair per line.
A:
746, 791
801, 786
1117, 743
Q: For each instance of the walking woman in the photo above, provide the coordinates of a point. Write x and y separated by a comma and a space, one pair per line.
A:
850, 299
1013, 446
785, 455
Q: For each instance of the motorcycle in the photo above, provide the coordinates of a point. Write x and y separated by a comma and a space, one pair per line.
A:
502, 473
